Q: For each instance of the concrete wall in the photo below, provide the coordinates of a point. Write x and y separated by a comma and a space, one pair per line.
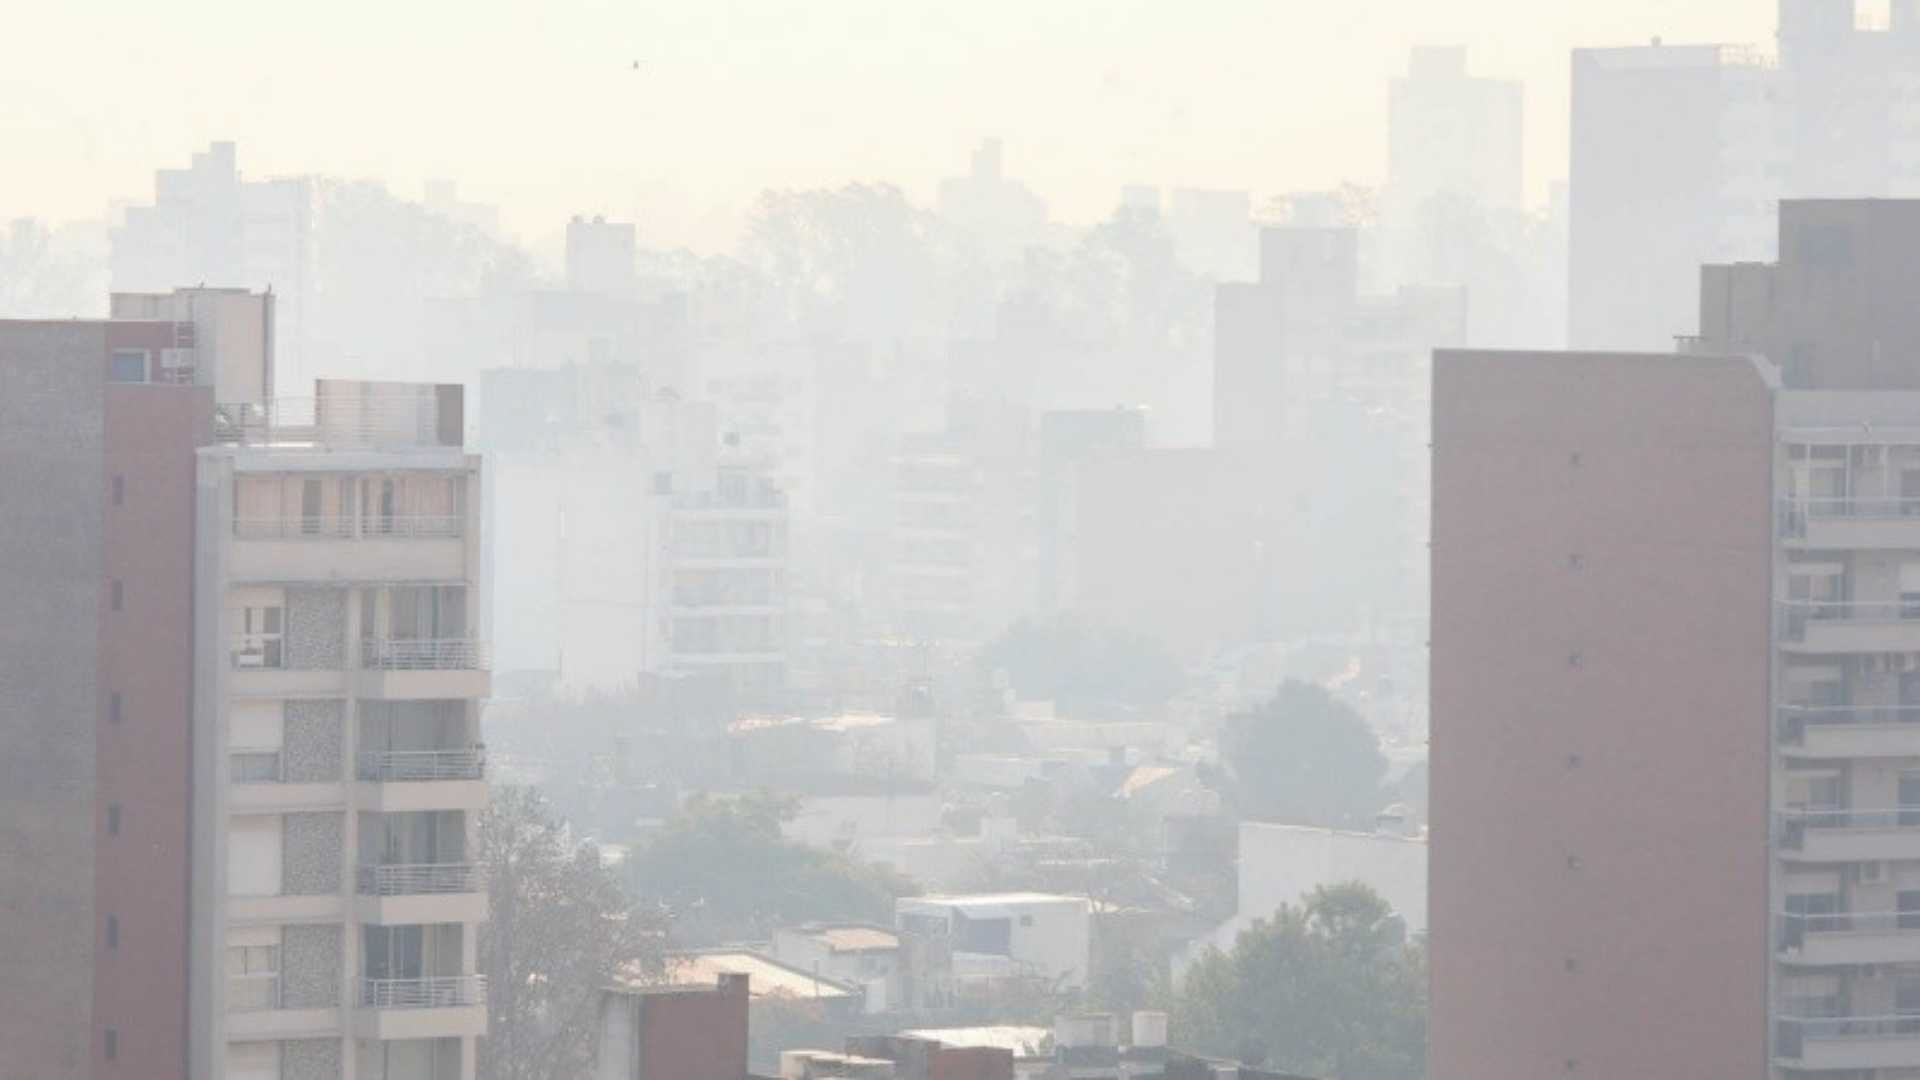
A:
144, 760
51, 444
1601, 653
674, 1034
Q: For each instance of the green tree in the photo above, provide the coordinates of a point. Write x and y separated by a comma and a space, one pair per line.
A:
1329, 988
1303, 756
724, 869
559, 928
1074, 661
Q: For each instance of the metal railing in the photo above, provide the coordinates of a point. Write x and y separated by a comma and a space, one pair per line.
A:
444, 992
412, 526
1796, 513
1795, 824
1791, 1031
251, 993
398, 527
1795, 926
411, 766
424, 654
421, 879
292, 528
254, 767
1796, 615
1795, 720
398, 417
256, 651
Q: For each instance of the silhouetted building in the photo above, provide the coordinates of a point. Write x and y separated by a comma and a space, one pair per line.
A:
1451, 134
1680, 154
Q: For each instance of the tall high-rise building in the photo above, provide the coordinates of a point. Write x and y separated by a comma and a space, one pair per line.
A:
240, 739
1680, 155
1675, 645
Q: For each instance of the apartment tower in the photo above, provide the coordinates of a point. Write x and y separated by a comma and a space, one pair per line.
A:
239, 766
1676, 665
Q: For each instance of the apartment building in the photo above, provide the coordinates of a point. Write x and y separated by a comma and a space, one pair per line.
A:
1681, 153
1675, 669
241, 750
963, 548
627, 539
337, 631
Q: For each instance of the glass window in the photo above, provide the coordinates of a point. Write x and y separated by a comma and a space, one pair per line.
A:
129, 366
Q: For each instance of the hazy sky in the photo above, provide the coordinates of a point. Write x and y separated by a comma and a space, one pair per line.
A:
536, 106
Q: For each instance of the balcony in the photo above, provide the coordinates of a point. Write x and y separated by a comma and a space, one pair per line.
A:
1839, 523
303, 549
415, 879
1849, 731
1849, 626
258, 662
1880, 937
407, 893
424, 668
1816, 1044
423, 766
1832, 835
409, 780
447, 1006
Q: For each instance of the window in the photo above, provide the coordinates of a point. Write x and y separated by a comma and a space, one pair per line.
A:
257, 636
113, 1044
254, 855
253, 973
119, 595
119, 490
129, 366
113, 932
113, 820
113, 707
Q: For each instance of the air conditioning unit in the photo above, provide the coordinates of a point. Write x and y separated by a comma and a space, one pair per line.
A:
1870, 873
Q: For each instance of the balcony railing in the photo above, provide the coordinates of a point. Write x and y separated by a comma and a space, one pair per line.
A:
1795, 513
445, 992
1795, 928
421, 879
1791, 1031
398, 527
1795, 824
414, 766
407, 416
1796, 719
1795, 615
424, 654
292, 528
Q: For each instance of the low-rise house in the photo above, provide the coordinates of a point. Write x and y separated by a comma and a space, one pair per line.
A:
995, 936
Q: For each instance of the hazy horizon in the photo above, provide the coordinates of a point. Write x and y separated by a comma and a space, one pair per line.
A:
524, 107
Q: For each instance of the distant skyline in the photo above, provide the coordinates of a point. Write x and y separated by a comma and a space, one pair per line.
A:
537, 108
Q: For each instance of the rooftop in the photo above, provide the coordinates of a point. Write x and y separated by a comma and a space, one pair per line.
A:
770, 977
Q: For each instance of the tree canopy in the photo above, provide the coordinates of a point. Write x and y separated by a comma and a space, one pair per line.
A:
1303, 757
559, 928
725, 870
1069, 659
1328, 988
